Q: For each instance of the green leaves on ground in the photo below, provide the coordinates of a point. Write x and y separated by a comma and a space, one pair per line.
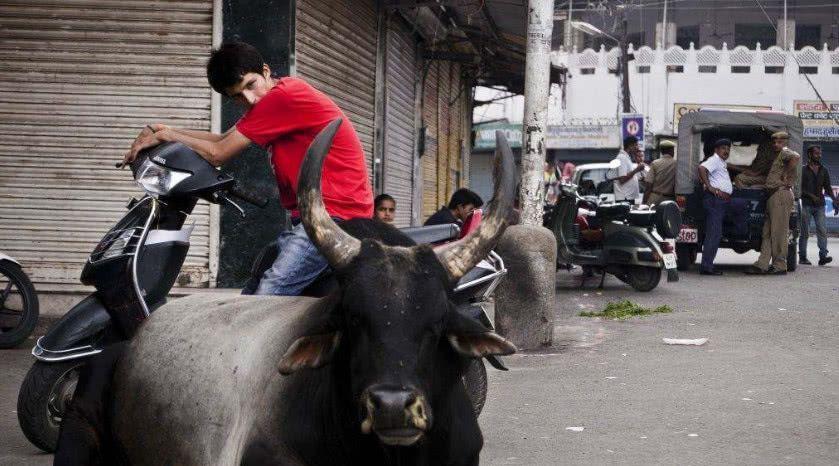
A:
626, 309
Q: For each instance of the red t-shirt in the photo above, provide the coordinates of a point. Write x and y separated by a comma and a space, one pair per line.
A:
285, 121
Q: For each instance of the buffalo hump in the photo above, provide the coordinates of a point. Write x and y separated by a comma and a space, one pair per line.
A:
200, 375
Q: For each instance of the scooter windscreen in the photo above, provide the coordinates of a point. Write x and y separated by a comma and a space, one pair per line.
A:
173, 169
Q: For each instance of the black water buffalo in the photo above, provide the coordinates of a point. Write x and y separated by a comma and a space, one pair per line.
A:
368, 375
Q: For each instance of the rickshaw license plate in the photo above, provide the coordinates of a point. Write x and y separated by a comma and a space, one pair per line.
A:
670, 261
688, 235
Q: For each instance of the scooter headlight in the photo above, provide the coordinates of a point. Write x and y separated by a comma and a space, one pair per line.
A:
158, 180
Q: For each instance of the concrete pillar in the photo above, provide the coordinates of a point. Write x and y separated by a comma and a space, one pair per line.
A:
789, 30
524, 300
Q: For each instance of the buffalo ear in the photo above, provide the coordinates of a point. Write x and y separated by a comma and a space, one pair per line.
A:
471, 339
310, 352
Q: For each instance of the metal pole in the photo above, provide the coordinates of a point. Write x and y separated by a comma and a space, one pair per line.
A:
570, 29
536, 92
624, 64
664, 27
786, 28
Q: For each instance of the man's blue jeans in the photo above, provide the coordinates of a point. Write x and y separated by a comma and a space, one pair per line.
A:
298, 264
715, 210
817, 214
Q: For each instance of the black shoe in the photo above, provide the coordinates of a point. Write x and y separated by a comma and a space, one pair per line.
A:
804, 262
825, 260
752, 270
772, 271
710, 272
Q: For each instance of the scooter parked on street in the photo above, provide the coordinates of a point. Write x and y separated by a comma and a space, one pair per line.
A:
18, 303
133, 268
629, 244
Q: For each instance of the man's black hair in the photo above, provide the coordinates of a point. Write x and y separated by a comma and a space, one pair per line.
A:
813, 148
628, 141
230, 63
381, 198
464, 196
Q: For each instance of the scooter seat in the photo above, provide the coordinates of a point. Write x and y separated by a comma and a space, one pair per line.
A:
641, 218
433, 233
612, 211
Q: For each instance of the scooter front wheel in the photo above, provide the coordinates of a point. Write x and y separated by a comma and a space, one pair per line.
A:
642, 278
18, 305
42, 402
475, 380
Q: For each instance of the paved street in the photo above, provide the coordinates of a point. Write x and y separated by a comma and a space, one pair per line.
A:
763, 390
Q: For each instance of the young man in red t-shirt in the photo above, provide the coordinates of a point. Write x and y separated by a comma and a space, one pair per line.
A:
283, 116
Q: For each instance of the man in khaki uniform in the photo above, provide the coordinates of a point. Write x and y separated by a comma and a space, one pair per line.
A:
755, 173
661, 179
779, 205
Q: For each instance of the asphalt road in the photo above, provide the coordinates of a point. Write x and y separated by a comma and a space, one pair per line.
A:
763, 390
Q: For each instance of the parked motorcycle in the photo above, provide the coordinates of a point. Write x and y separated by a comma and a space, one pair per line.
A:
18, 303
136, 263
629, 244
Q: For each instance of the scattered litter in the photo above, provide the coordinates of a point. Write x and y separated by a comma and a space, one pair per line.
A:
623, 354
602, 363
781, 309
746, 399
599, 293
691, 324
585, 294
611, 377
685, 341
545, 438
643, 436
693, 435
610, 451
576, 428
771, 402
624, 310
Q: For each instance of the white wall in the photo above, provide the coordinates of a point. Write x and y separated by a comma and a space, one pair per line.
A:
597, 95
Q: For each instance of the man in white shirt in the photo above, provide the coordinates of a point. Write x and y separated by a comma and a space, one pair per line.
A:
626, 183
716, 182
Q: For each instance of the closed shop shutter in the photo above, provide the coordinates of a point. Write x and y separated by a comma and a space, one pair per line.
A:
78, 80
335, 51
430, 201
400, 104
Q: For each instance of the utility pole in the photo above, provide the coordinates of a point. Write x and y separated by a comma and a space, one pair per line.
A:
663, 43
536, 92
624, 63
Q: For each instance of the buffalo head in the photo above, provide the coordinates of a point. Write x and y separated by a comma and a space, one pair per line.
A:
394, 328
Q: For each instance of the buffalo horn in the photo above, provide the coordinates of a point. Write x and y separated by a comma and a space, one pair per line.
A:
338, 247
461, 256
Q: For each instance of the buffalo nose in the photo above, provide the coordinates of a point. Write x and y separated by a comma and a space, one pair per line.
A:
395, 408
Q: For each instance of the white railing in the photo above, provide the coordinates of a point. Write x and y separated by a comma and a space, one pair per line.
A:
600, 61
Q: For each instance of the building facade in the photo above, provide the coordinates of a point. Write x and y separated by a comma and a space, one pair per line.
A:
80, 81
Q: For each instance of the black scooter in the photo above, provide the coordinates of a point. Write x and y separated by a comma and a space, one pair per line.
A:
135, 265
629, 244
133, 268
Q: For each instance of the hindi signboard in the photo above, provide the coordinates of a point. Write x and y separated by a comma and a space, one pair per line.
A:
819, 119
583, 137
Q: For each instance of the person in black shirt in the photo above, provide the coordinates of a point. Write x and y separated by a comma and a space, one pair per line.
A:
815, 184
462, 203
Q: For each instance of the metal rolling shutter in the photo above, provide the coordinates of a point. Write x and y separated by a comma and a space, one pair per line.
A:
430, 200
78, 80
400, 104
335, 51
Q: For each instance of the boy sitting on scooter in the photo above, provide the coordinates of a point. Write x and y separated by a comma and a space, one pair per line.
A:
283, 116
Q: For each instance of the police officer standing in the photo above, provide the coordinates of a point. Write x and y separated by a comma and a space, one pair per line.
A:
661, 179
717, 201
779, 204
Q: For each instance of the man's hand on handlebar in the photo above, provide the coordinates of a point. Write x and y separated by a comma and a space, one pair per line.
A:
150, 136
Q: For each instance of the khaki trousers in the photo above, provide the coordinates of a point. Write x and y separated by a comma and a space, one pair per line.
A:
775, 243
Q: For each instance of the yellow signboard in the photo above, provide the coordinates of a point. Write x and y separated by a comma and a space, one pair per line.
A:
680, 110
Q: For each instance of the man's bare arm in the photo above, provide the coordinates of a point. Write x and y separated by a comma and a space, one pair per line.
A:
194, 133
216, 152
